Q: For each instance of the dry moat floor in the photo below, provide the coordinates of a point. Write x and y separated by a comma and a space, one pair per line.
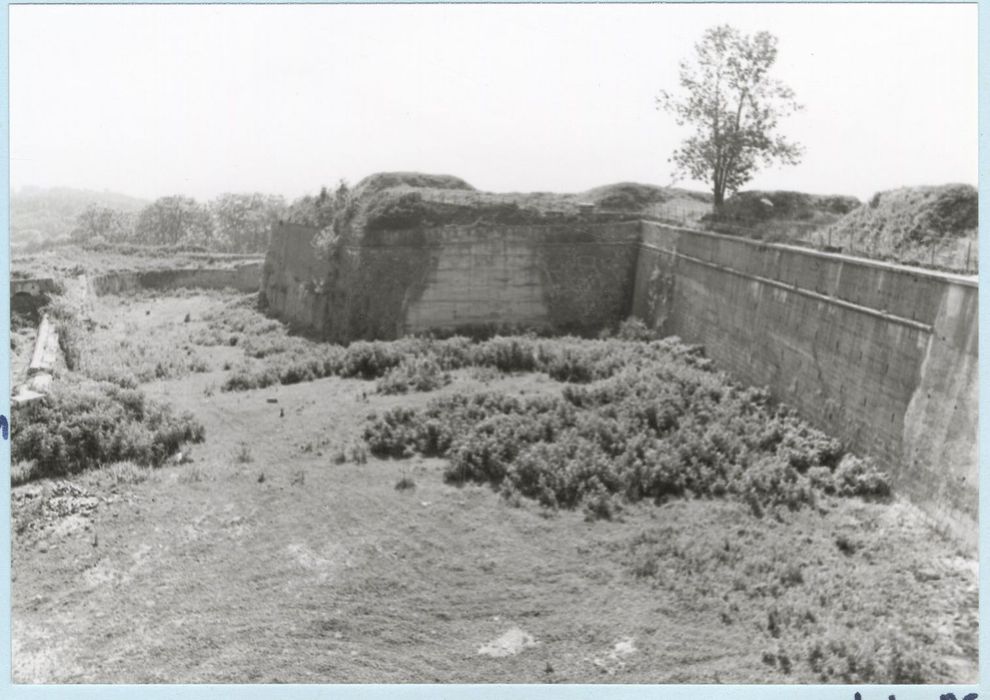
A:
278, 550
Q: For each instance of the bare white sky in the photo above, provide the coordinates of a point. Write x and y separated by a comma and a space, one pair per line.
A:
200, 100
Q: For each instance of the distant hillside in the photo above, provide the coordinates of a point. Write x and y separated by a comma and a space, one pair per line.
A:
934, 225
44, 215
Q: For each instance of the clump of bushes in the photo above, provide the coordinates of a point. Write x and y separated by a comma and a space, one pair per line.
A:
886, 657
654, 432
287, 359
635, 329
76, 428
413, 374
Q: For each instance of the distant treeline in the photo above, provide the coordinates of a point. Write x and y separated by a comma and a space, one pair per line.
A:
230, 223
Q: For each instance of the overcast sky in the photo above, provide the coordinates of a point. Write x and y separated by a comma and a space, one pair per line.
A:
200, 100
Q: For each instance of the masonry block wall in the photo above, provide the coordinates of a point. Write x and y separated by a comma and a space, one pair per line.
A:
568, 277
245, 277
575, 277
881, 356
293, 278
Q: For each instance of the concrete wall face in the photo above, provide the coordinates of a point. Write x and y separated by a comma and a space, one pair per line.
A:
567, 277
243, 278
572, 277
882, 357
293, 277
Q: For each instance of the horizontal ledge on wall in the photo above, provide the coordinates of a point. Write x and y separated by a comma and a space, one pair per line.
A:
955, 278
910, 323
632, 242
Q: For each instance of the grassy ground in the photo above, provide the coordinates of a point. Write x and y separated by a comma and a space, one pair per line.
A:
280, 550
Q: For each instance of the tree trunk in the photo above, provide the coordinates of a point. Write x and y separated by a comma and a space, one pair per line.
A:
719, 193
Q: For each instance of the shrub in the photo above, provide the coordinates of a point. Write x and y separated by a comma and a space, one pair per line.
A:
634, 329
244, 455
657, 430
370, 360
886, 655
860, 477
82, 427
506, 354
413, 374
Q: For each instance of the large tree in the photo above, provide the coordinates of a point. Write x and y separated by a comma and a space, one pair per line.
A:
734, 105
243, 222
106, 223
175, 220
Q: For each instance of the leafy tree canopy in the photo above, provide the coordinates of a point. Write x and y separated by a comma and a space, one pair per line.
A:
734, 105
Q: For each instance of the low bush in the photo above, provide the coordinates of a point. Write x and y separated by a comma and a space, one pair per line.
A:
413, 374
651, 432
862, 477
76, 428
885, 656
635, 329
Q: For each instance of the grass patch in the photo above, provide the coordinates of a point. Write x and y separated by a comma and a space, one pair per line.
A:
813, 610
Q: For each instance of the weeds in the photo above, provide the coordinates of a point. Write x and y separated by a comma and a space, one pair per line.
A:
244, 455
413, 374
405, 484
126, 473
356, 453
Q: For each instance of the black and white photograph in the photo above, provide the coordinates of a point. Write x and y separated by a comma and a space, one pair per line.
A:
494, 344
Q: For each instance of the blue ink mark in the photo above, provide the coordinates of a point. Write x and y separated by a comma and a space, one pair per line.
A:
4, 427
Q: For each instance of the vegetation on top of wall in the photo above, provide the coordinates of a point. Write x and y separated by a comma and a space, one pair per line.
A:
756, 206
383, 181
401, 210
929, 226
915, 214
634, 196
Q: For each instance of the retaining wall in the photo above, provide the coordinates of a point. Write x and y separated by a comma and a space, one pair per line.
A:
243, 278
883, 357
573, 277
294, 278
